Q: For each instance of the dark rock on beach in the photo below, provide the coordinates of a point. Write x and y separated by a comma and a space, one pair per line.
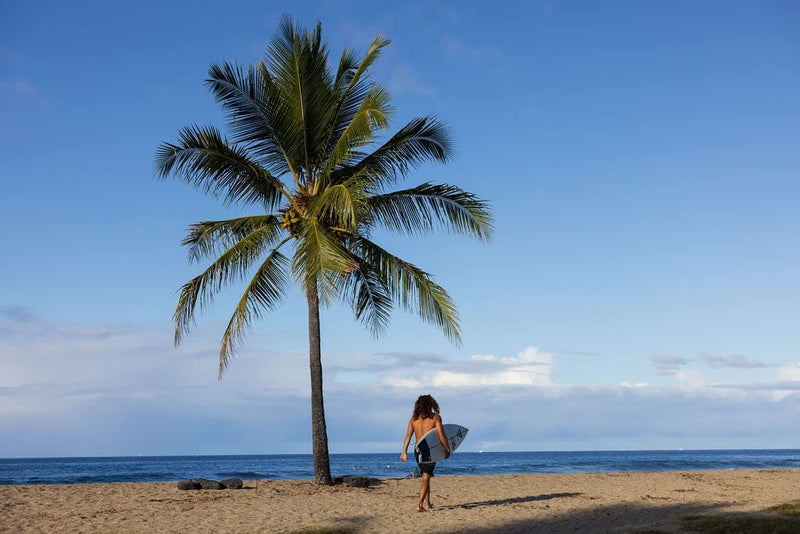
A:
360, 482
209, 484
204, 483
232, 483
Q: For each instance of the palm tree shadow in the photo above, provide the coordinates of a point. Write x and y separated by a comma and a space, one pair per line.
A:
511, 500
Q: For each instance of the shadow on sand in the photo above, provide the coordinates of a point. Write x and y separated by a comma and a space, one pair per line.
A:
512, 500
639, 518
628, 517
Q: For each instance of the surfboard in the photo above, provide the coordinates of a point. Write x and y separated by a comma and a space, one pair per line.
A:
429, 449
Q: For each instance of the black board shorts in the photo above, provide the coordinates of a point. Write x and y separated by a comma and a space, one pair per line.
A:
427, 468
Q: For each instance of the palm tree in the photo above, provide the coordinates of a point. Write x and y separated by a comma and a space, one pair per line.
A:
298, 153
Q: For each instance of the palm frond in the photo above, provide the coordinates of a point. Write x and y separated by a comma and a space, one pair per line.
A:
211, 237
412, 288
231, 266
256, 113
356, 128
348, 63
368, 296
265, 290
340, 206
362, 107
420, 140
298, 61
204, 159
428, 207
318, 253
370, 56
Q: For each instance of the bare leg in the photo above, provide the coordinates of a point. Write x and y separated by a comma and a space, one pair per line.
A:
428, 493
424, 491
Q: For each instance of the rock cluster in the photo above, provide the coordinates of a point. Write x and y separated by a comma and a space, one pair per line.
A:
357, 482
236, 483
204, 483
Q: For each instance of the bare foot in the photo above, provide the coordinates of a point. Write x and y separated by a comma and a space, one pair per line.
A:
421, 509
430, 506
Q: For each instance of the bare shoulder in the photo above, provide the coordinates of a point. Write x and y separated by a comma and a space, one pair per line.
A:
437, 418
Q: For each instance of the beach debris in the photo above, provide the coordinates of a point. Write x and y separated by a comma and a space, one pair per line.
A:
188, 485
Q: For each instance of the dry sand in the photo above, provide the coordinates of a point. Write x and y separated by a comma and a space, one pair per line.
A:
614, 502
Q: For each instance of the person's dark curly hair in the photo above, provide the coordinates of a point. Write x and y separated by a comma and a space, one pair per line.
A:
425, 407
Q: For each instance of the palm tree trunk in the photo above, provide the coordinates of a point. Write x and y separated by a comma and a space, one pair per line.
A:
319, 431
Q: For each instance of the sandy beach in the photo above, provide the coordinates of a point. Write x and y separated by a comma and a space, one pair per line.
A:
613, 502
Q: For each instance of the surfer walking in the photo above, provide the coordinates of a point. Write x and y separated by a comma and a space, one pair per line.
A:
425, 418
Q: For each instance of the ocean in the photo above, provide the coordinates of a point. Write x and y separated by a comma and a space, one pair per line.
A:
300, 466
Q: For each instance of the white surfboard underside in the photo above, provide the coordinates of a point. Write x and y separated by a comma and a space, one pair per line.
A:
429, 448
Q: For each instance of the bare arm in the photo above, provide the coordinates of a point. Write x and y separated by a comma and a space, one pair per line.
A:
442, 438
403, 456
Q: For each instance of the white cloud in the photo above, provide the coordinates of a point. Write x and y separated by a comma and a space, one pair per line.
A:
530, 355
511, 377
530, 367
691, 378
634, 384
36, 351
789, 372
70, 389
400, 382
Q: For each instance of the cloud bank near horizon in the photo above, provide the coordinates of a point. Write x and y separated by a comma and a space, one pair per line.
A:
72, 389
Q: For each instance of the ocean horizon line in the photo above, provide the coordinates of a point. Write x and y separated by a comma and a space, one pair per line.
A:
534, 451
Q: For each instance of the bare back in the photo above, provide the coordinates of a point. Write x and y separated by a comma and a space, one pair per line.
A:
422, 425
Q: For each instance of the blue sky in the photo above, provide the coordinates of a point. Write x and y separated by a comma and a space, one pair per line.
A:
641, 292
